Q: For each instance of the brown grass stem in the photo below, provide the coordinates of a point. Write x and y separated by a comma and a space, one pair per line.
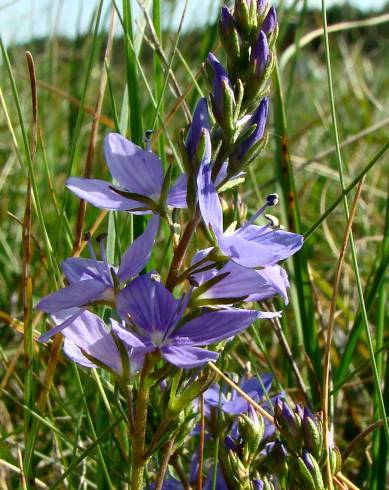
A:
330, 329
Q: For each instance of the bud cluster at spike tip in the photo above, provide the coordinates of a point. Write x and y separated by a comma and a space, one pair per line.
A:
239, 86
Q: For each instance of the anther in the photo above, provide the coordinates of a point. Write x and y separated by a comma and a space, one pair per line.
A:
147, 139
155, 277
87, 238
101, 237
272, 199
273, 221
193, 282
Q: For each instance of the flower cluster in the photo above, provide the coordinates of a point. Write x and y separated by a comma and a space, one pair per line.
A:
180, 316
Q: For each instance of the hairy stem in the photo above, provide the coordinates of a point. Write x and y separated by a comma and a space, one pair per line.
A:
180, 472
167, 451
138, 434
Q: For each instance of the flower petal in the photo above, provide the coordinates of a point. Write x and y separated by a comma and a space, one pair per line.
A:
276, 280
209, 203
187, 357
150, 305
177, 194
71, 315
213, 327
100, 194
89, 333
138, 253
77, 269
137, 170
222, 174
239, 282
256, 385
75, 354
76, 294
276, 245
212, 396
254, 388
129, 338
254, 247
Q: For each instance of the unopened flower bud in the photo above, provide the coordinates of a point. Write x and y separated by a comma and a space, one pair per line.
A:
298, 408
239, 469
229, 34
260, 56
223, 99
261, 5
289, 425
245, 13
251, 429
262, 484
258, 484
270, 22
199, 130
312, 433
310, 474
247, 146
277, 458
335, 459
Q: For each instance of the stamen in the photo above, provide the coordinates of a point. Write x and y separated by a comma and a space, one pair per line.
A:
100, 239
256, 215
87, 238
102, 236
147, 139
273, 221
155, 277
271, 200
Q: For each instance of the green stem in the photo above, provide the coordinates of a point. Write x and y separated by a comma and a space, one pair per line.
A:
180, 251
138, 435
168, 449
157, 436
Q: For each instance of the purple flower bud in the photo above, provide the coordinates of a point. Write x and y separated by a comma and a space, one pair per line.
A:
258, 484
277, 457
252, 413
307, 460
289, 425
270, 21
287, 414
261, 5
230, 35
227, 22
230, 443
220, 83
312, 433
200, 122
313, 479
300, 412
259, 119
308, 414
260, 55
